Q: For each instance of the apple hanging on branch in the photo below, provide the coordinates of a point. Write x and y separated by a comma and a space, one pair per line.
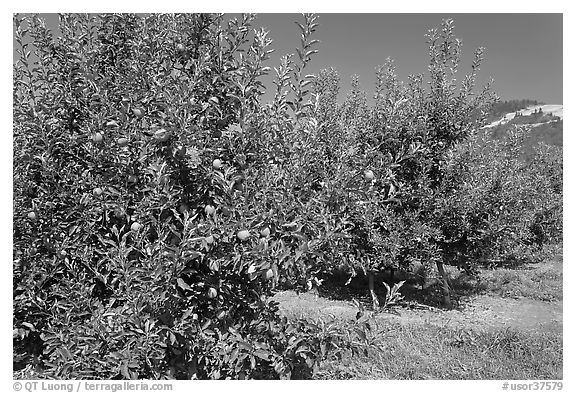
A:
138, 112
243, 234
212, 293
97, 138
112, 124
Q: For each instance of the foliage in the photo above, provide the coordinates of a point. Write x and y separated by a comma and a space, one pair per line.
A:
444, 192
393, 295
132, 258
546, 128
381, 165
505, 208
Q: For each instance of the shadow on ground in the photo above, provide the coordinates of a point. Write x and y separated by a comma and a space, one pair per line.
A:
534, 281
334, 287
531, 282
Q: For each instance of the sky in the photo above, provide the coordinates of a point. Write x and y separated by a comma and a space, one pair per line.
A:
523, 51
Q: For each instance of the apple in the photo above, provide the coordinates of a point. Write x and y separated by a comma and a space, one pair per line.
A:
32, 215
217, 164
137, 112
97, 191
209, 210
265, 232
210, 239
183, 208
122, 142
369, 175
212, 293
180, 47
132, 178
62, 254
135, 226
97, 138
243, 234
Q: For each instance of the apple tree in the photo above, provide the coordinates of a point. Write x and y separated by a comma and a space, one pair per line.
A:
141, 227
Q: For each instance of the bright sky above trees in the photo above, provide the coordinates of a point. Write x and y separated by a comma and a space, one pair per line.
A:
523, 51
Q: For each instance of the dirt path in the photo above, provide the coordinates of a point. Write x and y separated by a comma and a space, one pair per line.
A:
481, 312
484, 311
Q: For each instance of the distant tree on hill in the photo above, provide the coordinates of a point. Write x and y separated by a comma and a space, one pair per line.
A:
503, 107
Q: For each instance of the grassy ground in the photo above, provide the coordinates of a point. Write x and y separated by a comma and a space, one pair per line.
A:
507, 325
420, 351
541, 281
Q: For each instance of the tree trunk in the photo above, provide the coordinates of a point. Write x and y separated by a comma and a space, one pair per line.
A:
375, 303
445, 284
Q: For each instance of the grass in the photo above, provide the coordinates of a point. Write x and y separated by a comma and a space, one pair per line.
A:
541, 281
426, 350
420, 348
537, 285
432, 352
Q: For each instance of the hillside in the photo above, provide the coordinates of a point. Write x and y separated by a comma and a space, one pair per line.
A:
544, 121
532, 111
501, 108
